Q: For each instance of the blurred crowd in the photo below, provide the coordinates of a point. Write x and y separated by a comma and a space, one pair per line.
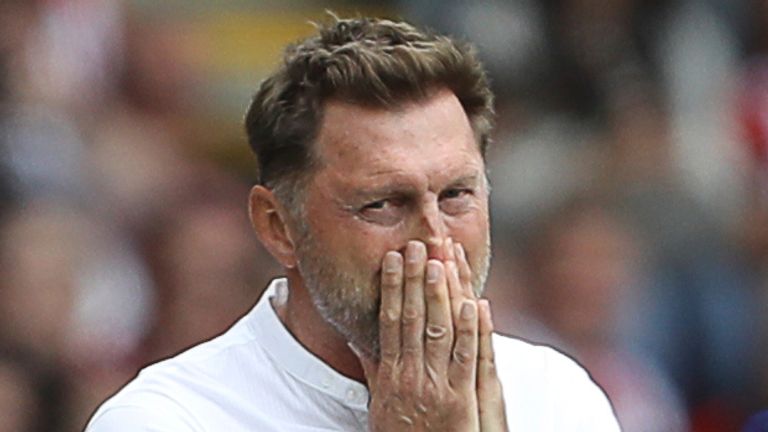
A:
629, 173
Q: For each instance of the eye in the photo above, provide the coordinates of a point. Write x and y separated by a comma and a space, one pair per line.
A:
455, 193
385, 211
455, 201
377, 205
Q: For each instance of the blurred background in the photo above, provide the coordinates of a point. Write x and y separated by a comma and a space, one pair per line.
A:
630, 200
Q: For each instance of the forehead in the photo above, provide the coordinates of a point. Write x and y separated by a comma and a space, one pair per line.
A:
433, 135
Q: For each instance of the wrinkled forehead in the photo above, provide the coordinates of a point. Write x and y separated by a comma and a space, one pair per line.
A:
357, 137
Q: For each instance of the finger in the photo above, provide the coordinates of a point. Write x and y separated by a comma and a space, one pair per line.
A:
461, 370
465, 272
449, 250
449, 253
370, 368
390, 311
490, 397
439, 328
413, 314
485, 359
455, 288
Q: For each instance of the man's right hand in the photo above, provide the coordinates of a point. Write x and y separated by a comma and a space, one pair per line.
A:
430, 331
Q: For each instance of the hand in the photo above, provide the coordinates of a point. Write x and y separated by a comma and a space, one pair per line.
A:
436, 370
425, 378
489, 394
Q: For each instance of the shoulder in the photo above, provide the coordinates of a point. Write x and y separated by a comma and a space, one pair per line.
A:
529, 357
542, 384
149, 412
184, 392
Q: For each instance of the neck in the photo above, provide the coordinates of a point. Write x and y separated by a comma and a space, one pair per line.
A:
302, 319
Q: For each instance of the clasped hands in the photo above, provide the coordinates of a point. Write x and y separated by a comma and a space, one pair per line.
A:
436, 369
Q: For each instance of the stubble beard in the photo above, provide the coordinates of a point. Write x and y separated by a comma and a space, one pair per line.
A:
349, 300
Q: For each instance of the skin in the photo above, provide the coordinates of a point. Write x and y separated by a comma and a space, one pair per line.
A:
399, 209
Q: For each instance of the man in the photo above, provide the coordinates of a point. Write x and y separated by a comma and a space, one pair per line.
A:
372, 195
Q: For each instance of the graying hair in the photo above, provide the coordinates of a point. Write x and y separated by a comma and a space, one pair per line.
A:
365, 61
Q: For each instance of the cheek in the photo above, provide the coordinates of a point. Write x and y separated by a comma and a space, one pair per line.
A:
363, 245
373, 244
472, 232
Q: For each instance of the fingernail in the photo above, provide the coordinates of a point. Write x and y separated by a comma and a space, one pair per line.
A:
486, 311
414, 251
433, 271
459, 250
467, 309
391, 262
484, 306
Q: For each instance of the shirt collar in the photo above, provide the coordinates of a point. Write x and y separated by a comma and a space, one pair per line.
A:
288, 354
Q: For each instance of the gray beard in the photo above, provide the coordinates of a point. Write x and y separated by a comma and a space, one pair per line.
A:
349, 300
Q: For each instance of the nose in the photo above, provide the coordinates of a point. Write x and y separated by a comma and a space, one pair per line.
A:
431, 229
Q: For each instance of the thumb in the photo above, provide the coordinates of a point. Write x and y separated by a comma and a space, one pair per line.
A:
370, 367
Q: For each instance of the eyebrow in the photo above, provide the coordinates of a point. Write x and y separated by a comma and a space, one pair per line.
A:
472, 179
393, 188
405, 188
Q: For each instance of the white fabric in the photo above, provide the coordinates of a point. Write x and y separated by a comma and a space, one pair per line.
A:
257, 377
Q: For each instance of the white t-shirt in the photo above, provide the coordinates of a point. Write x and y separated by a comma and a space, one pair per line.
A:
257, 377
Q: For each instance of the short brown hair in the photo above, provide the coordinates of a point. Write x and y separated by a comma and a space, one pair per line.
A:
370, 62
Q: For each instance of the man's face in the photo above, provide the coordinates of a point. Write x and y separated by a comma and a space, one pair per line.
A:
386, 177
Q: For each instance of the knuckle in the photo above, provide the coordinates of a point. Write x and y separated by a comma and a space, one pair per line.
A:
388, 355
433, 379
405, 420
487, 358
388, 316
411, 315
408, 383
414, 274
465, 332
421, 408
491, 404
462, 357
387, 363
432, 399
431, 293
391, 284
388, 327
393, 402
490, 368
411, 349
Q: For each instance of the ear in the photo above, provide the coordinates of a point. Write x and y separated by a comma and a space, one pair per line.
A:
268, 218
